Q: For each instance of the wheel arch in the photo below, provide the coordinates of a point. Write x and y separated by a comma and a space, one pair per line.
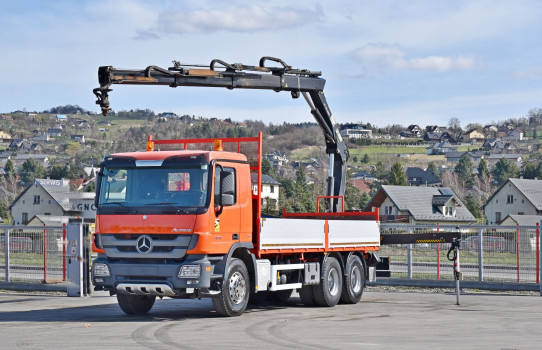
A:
240, 251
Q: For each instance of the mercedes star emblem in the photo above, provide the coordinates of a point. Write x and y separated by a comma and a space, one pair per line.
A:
144, 244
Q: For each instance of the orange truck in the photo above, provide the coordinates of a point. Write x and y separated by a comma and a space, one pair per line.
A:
183, 218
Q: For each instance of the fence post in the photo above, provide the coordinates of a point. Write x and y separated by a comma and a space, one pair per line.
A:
538, 246
6, 247
409, 257
438, 254
537, 252
480, 256
518, 251
64, 252
44, 256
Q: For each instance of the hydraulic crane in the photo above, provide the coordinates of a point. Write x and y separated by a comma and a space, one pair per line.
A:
240, 76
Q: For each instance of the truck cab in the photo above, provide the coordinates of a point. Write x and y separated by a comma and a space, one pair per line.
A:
166, 219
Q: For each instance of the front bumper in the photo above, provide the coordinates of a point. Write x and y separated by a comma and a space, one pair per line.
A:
138, 276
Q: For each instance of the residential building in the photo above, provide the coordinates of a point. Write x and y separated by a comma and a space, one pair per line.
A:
419, 177
473, 136
4, 136
61, 118
363, 185
439, 137
514, 197
277, 158
515, 135
420, 205
441, 148
270, 189
356, 131
78, 138
493, 158
363, 175
52, 197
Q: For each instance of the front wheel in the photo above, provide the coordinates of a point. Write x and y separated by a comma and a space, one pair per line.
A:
135, 304
233, 299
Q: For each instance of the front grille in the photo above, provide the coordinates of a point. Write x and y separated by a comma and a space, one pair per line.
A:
163, 246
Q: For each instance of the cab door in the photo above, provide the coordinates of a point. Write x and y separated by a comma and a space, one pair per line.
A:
227, 219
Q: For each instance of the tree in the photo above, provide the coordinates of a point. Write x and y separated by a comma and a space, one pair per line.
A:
535, 134
432, 169
397, 175
530, 171
9, 168
58, 172
473, 205
355, 159
366, 158
455, 125
364, 200
483, 170
31, 170
504, 169
267, 168
464, 169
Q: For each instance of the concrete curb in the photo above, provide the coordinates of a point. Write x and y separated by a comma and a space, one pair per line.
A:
495, 286
34, 287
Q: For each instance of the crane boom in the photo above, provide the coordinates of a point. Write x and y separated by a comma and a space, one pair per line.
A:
239, 76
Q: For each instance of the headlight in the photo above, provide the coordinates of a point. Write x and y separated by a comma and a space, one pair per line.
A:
189, 271
100, 269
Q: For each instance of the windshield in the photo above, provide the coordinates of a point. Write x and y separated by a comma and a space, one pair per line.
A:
179, 186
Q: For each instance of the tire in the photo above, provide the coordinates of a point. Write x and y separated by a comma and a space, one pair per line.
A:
233, 299
354, 281
307, 296
135, 304
328, 292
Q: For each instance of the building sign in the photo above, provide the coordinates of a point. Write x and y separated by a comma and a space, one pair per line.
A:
86, 207
49, 182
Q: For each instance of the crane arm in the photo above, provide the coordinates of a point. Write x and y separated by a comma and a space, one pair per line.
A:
239, 76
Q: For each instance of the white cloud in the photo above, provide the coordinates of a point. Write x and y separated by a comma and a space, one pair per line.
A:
378, 59
252, 18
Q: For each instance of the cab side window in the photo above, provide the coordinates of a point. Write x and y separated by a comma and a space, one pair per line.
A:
217, 183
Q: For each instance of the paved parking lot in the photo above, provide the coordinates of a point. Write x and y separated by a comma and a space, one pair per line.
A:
383, 320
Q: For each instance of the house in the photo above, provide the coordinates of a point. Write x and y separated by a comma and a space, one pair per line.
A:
433, 129
25, 146
78, 138
514, 197
270, 189
4, 136
356, 131
493, 158
438, 137
441, 148
419, 177
48, 220
412, 131
489, 129
61, 118
51, 197
363, 175
521, 220
473, 136
419, 205
363, 185
277, 158
515, 135
54, 132
43, 159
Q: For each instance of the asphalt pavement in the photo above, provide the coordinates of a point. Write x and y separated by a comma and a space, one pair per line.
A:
382, 320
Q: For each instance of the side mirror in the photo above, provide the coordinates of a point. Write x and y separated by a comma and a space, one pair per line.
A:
227, 188
98, 184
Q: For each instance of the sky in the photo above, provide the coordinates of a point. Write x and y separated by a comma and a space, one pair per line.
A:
385, 62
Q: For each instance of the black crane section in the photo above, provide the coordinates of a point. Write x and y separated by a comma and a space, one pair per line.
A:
299, 82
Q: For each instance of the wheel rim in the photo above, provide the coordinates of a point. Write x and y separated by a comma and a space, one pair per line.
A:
333, 282
355, 279
238, 288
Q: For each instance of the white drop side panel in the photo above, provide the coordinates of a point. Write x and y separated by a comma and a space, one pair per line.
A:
353, 233
278, 233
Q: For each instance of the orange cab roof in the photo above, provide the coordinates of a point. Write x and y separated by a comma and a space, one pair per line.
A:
160, 155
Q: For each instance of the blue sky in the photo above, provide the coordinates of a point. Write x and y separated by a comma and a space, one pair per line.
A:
385, 62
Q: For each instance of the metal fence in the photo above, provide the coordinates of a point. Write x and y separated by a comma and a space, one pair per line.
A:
33, 254
487, 254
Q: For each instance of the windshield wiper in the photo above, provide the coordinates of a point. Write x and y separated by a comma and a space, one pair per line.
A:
131, 210
177, 209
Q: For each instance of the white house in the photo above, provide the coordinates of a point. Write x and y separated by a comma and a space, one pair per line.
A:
356, 131
514, 197
270, 188
52, 198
